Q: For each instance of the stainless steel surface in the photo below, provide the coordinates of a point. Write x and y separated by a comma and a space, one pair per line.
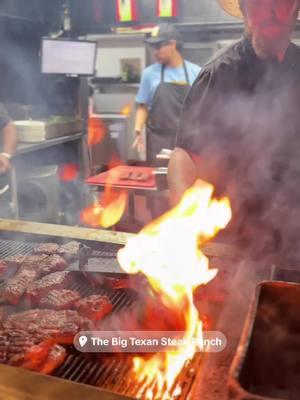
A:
265, 366
29, 147
36, 131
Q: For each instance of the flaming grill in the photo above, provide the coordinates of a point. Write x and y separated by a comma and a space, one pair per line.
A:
108, 372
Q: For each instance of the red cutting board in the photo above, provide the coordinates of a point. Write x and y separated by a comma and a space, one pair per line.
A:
112, 177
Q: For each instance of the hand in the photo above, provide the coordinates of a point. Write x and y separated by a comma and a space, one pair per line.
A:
4, 164
138, 143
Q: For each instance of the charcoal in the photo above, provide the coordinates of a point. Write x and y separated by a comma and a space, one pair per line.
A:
46, 248
94, 307
59, 299
39, 288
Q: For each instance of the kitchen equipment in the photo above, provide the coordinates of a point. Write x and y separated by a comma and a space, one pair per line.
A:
111, 376
36, 131
114, 113
266, 365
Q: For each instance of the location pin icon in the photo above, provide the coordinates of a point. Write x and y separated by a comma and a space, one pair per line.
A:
82, 340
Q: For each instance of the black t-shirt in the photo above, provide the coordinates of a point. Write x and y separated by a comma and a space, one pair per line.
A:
242, 117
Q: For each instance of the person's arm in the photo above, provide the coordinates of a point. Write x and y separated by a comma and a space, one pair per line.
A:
141, 117
182, 173
143, 100
184, 166
9, 138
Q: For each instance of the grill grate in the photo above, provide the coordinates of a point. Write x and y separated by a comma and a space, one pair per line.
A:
12, 248
108, 372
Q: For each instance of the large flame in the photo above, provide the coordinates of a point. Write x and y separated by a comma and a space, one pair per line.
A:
168, 252
108, 209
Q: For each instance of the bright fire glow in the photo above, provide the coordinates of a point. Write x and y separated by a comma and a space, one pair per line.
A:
168, 252
108, 209
96, 131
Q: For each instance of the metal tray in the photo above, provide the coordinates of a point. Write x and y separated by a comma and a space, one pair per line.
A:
35, 131
266, 364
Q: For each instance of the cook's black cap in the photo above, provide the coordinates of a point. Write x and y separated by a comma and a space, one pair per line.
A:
163, 33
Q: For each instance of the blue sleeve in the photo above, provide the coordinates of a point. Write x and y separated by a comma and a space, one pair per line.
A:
195, 72
144, 93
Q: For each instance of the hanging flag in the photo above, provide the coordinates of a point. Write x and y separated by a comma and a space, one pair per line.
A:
166, 8
126, 10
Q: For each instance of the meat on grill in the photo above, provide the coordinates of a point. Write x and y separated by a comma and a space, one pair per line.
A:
5, 311
4, 269
46, 248
15, 261
16, 286
70, 250
21, 349
59, 299
53, 263
33, 262
10, 265
39, 288
14, 343
94, 307
44, 357
62, 326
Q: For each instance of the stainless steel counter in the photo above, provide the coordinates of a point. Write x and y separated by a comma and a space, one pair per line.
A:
29, 147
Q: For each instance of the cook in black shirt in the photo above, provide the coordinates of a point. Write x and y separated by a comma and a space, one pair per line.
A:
240, 127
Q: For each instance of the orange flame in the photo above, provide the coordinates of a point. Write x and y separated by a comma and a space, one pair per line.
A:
68, 172
96, 131
167, 252
108, 209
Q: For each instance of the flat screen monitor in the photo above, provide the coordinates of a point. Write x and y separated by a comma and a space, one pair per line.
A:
68, 56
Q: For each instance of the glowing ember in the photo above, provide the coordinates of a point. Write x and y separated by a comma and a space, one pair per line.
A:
167, 252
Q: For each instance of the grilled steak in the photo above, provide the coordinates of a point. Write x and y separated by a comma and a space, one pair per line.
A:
60, 325
10, 265
5, 311
4, 269
39, 288
46, 248
70, 251
15, 261
16, 286
55, 358
33, 262
14, 343
43, 357
53, 263
94, 307
21, 349
59, 299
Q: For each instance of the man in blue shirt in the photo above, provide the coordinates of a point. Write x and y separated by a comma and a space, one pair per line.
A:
163, 88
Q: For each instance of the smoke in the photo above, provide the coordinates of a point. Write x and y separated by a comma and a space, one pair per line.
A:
247, 130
